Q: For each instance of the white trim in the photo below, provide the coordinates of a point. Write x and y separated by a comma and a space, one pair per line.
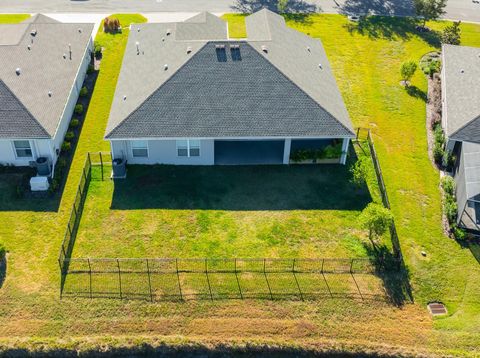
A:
32, 149
287, 145
233, 138
188, 148
343, 158
146, 147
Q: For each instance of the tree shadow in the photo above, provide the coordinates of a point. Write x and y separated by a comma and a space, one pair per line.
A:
416, 92
474, 246
394, 274
268, 187
392, 28
291, 6
379, 7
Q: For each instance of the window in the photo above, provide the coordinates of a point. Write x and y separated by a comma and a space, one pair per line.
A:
188, 148
22, 148
140, 148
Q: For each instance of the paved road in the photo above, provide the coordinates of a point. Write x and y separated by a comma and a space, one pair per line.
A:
466, 10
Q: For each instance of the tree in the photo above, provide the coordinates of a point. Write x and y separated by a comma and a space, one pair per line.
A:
407, 71
429, 9
282, 6
377, 220
451, 34
361, 171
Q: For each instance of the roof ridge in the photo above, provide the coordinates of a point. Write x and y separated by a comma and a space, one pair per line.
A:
153, 92
25, 109
297, 86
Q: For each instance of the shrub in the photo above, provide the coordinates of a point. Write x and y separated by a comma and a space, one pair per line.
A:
69, 135
361, 171
79, 109
66, 146
54, 184
451, 34
84, 91
450, 209
433, 67
97, 49
90, 68
459, 233
448, 185
111, 24
333, 151
74, 123
3, 251
408, 70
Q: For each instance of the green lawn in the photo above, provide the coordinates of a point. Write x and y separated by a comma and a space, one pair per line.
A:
366, 64
273, 211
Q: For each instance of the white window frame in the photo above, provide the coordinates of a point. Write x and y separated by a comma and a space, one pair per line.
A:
132, 147
15, 149
177, 146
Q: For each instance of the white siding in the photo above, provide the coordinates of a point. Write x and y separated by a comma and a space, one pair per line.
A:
40, 148
164, 152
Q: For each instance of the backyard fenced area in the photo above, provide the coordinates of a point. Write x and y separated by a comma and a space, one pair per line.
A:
157, 279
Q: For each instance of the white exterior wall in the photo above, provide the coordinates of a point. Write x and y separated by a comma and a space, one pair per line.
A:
164, 152
40, 148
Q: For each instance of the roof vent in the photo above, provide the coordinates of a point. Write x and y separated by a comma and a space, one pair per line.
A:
264, 48
320, 66
29, 47
165, 67
169, 32
70, 50
33, 32
18, 71
189, 49
64, 55
309, 49
79, 30
163, 39
50, 93
137, 44
462, 71
138, 29
124, 97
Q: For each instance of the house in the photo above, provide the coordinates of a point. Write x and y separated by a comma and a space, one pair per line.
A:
42, 67
461, 124
187, 94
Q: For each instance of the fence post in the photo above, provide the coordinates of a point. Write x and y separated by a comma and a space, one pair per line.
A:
149, 281
266, 278
119, 278
208, 280
101, 163
178, 277
90, 272
238, 281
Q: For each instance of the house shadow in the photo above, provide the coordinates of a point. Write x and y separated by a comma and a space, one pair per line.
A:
273, 187
394, 274
291, 6
392, 28
15, 194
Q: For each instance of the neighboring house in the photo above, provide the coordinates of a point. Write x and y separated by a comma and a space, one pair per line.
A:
461, 123
187, 94
42, 67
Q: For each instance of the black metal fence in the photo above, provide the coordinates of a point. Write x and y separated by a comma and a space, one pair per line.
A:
365, 134
156, 279
77, 208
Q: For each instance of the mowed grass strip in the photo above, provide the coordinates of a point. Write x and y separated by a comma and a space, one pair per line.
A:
13, 18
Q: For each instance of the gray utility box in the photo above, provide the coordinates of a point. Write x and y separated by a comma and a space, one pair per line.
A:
119, 168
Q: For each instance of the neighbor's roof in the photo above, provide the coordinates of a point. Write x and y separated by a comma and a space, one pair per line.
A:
461, 70
43, 69
279, 83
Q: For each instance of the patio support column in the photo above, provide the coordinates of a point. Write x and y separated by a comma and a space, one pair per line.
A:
343, 158
286, 150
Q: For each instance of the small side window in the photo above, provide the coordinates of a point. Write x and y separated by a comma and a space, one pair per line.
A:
22, 149
140, 149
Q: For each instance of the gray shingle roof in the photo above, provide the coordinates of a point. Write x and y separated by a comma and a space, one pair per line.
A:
273, 93
43, 69
461, 71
